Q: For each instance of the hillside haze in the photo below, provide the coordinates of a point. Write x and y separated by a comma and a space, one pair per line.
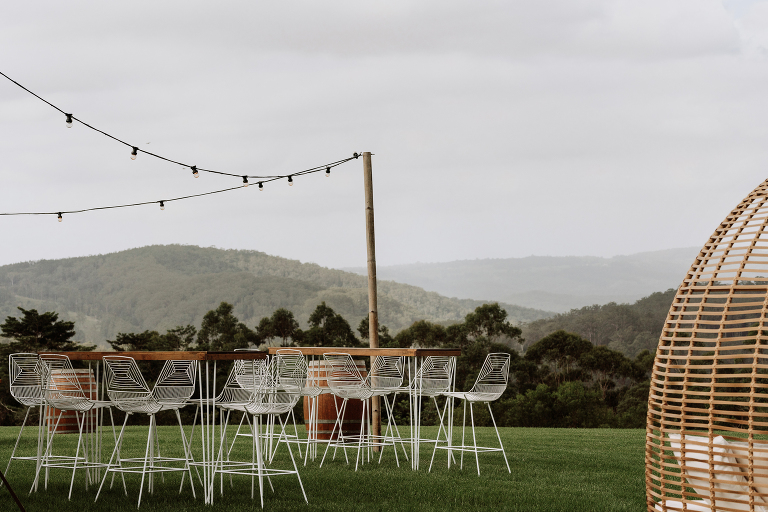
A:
160, 287
547, 282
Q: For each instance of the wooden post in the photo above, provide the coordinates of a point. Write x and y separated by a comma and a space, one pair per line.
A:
373, 314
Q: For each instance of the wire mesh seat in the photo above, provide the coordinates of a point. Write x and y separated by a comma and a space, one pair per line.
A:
129, 392
345, 381
385, 379
26, 387
489, 386
61, 390
271, 390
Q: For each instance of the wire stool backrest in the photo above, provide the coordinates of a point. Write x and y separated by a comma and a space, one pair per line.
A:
343, 375
494, 376
125, 383
292, 367
25, 373
176, 382
61, 386
249, 373
242, 381
387, 372
435, 375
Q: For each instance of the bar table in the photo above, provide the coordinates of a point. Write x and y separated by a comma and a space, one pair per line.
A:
206, 393
414, 357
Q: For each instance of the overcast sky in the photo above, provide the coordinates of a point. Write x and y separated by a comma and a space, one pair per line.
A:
500, 129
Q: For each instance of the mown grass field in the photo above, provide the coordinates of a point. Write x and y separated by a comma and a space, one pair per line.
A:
552, 470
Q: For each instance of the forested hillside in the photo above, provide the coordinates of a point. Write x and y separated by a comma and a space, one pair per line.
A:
552, 283
627, 328
160, 287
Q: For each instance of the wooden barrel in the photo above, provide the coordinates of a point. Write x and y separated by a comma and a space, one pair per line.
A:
68, 423
326, 410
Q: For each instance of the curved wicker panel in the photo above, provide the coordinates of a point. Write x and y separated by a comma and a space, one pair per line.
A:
708, 404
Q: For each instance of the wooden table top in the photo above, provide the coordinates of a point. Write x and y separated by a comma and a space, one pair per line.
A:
408, 352
165, 356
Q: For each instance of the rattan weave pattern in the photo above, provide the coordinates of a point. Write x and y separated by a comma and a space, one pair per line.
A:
710, 375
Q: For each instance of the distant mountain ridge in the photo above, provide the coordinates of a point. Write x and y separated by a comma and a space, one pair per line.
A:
159, 287
553, 283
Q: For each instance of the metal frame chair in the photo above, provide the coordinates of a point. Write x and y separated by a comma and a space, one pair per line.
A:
129, 392
489, 386
271, 393
385, 379
26, 388
62, 390
345, 381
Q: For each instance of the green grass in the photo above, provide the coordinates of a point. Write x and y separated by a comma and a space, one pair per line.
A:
552, 470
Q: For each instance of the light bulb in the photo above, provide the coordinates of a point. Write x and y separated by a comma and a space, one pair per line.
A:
261, 187
162, 205
69, 120
245, 181
290, 181
194, 171
59, 217
134, 153
327, 172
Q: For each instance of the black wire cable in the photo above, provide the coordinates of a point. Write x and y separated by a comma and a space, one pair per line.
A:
162, 201
194, 167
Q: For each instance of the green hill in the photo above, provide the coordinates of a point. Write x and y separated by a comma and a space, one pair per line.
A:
159, 287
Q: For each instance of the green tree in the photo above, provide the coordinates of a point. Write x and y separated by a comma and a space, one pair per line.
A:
490, 321
35, 332
560, 349
328, 329
221, 330
422, 333
385, 339
281, 325
179, 338
606, 365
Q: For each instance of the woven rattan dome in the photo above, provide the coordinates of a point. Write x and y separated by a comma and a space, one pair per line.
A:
708, 403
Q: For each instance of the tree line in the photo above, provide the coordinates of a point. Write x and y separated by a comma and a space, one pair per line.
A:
561, 380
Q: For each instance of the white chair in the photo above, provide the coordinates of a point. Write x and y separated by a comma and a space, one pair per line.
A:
26, 387
489, 386
62, 391
345, 381
129, 392
271, 393
294, 367
385, 379
432, 378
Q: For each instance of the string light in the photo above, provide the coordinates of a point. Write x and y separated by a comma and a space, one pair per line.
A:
194, 172
59, 216
69, 120
245, 181
135, 149
290, 181
261, 187
327, 172
162, 205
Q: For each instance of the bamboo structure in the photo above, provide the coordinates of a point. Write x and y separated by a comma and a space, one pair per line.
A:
707, 429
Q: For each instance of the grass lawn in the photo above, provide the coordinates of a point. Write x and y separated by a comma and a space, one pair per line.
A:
552, 470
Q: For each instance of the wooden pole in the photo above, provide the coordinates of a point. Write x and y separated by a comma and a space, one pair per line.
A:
373, 314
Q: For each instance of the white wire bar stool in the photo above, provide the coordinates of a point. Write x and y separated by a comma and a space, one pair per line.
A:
243, 377
293, 366
129, 392
435, 377
489, 386
385, 379
345, 381
62, 391
271, 394
26, 386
